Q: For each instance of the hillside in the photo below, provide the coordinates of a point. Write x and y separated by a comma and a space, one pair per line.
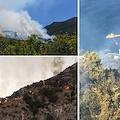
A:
52, 99
100, 89
61, 45
65, 27
65, 43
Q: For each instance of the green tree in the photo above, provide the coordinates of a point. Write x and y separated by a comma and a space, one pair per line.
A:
65, 45
100, 90
9, 50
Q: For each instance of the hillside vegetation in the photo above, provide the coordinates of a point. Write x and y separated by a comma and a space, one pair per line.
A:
52, 99
65, 42
61, 45
100, 90
61, 28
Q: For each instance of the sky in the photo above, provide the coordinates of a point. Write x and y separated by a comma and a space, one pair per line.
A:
99, 18
17, 72
31, 16
52, 10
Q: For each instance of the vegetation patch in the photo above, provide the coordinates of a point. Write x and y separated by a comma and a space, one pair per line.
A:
33, 105
62, 44
50, 93
50, 117
100, 90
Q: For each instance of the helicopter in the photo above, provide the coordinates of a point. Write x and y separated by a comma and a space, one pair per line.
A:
113, 36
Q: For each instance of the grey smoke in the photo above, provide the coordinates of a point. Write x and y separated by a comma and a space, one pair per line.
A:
17, 72
12, 35
109, 59
57, 65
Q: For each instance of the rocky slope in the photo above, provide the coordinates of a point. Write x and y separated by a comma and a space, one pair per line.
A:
52, 99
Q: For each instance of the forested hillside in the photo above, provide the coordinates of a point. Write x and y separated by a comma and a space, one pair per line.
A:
64, 42
61, 28
60, 45
99, 90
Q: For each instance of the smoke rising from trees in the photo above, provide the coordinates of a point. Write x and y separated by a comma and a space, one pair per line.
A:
13, 17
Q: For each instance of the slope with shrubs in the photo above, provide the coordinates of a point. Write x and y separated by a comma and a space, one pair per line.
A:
53, 99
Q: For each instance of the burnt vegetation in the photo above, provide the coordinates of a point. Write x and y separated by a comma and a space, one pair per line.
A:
51, 101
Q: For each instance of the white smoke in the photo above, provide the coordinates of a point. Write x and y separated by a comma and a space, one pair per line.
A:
17, 72
14, 18
109, 59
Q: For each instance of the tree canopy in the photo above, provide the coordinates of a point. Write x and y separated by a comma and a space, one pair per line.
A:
99, 90
61, 45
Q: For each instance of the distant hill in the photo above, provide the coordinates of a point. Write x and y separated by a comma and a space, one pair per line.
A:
53, 99
64, 27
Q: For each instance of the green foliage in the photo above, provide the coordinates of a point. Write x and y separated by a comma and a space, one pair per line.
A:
61, 28
9, 50
91, 67
100, 90
63, 44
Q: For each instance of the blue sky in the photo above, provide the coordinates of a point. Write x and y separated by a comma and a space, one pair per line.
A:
47, 12
33, 15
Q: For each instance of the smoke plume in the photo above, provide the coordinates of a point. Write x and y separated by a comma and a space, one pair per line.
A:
13, 17
109, 60
57, 65
17, 72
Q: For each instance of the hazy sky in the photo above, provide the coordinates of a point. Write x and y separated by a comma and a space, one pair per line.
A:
17, 72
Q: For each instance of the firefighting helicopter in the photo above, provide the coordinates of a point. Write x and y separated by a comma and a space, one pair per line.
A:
113, 36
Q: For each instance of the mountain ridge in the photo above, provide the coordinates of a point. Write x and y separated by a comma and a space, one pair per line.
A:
64, 27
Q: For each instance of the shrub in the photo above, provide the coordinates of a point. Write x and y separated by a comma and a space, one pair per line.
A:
50, 117
50, 93
27, 99
66, 94
34, 118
